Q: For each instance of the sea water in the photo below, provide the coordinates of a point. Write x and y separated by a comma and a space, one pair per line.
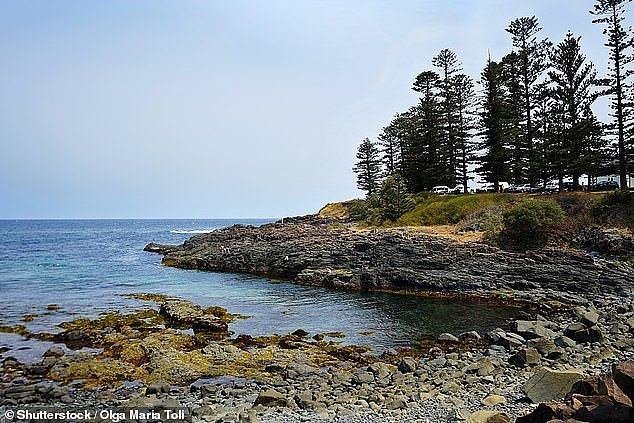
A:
83, 266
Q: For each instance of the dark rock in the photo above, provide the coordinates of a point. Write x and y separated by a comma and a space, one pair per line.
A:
274, 368
407, 365
157, 388
525, 357
310, 251
546, 348
546, 412
589, 318
600, 385
54, 352
300, 333
470, 335
580, 333
205, 324
600, 408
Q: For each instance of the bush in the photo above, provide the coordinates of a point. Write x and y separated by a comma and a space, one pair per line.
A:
530, 223
615, 208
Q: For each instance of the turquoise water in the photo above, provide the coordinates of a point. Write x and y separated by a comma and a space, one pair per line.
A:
84, 265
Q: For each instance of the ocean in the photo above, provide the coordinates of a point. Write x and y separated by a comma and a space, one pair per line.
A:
84, 267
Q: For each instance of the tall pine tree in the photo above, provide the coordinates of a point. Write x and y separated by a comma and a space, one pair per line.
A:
465, 98
531, 56
572, 78
448, 65
494, 160
368, 167
611, 13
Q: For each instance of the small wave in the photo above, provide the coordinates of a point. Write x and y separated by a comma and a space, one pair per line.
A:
192, 231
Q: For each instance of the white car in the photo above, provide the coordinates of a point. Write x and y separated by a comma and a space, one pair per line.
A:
440, 189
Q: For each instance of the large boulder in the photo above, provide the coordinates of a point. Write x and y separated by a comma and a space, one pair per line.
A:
546, 412
549, 385
581, 333
531, 329
271, 398
623, 374
180, 312
525, 356
600, 385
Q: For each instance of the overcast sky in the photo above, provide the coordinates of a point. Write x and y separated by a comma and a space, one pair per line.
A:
206, 109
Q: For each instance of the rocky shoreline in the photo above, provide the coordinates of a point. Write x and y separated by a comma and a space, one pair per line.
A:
324, 252
577, 321
180, 356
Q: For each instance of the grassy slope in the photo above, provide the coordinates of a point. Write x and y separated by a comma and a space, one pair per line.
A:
433, 210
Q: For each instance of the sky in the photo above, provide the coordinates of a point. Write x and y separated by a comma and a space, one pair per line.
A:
223, 109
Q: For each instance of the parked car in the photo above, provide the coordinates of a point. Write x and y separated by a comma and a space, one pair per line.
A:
605, 186
441, 189
490, 187
552, 187
524, 188
486, 188
459, 189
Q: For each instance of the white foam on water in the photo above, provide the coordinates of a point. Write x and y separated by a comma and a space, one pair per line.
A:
192, 231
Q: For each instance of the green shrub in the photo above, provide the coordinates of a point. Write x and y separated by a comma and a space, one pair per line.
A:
358, 210
615, 208
530, 223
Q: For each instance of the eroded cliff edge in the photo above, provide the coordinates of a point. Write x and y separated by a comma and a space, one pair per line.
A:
315, 251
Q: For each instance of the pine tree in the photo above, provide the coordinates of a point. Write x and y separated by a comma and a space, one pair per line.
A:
493, 118
619, 40
447, 63
555, 150
465, 97
532, 62
394, 199
572, 78
368, 167
514, 116
426, 149
390, 144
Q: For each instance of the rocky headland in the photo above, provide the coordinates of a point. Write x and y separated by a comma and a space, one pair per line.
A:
325, 252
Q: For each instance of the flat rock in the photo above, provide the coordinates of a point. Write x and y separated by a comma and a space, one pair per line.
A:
549, 385
493, 400
271, 398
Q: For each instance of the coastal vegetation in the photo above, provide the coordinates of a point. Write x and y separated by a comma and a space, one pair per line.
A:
502, 219
530, 121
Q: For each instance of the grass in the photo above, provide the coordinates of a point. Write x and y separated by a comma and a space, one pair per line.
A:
431, 210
